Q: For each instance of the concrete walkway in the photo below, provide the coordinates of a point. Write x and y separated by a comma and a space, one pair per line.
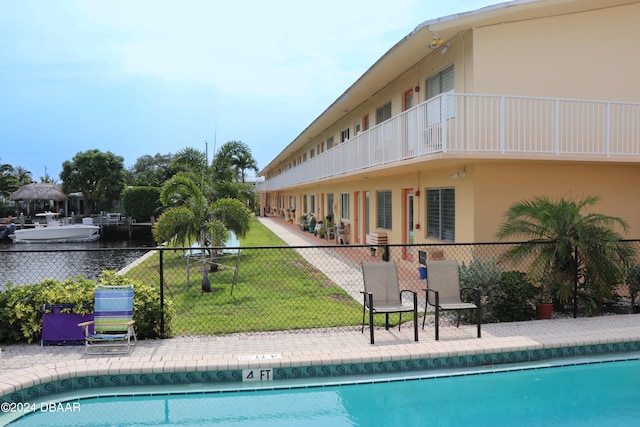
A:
336, 269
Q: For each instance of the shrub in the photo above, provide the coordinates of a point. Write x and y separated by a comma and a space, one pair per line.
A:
141, 203
517, 296
633, 281
20, 306
486, 277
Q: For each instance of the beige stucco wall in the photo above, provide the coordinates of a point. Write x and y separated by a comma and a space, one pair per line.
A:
487, 190
498, 185
590, 55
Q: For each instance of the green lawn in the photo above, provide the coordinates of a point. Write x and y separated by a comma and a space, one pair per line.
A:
276, 289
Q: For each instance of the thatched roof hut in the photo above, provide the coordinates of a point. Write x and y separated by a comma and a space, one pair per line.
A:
39, 191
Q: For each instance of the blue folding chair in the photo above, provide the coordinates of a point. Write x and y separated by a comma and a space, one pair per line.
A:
112, 321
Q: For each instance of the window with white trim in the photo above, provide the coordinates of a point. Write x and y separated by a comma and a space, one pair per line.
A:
344, 135
384, 209
344, 206
441, 214
383, 113
329, 143
438, 84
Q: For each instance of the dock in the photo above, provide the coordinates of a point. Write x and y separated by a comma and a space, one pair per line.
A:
109, 224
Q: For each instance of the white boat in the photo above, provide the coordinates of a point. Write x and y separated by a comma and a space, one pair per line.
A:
55, 231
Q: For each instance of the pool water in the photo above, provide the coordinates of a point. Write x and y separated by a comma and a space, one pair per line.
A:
602, 394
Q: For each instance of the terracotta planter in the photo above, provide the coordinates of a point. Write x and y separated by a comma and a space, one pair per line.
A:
543, 311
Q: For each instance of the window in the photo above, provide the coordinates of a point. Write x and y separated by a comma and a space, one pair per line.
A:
344, 135
304, 205
330, 203
440, 83
344, 207
437, 85
441, 214
313, 204
384, 209
312, 153
383, 113
329, 143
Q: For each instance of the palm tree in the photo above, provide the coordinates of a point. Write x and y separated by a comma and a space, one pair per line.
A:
8, 181
24, 176
228, 167
237, 156
190, 159
194, 218
204, 205
569, 247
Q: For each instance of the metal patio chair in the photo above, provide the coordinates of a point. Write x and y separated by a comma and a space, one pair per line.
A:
382, 295
443, 292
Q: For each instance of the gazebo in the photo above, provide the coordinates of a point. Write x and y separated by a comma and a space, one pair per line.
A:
39, 191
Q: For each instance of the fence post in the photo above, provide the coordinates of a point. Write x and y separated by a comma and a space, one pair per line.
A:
575, 285
162, 332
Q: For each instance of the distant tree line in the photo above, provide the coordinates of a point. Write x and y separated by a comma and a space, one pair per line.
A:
103, 180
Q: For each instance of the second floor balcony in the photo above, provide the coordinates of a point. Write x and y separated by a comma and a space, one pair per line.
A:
488, 126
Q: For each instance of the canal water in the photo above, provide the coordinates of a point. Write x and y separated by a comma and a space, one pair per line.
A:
23, 263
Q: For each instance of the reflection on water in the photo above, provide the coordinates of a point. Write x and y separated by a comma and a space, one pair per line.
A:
32, 262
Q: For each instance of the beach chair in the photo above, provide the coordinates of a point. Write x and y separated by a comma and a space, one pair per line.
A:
382, 295
112, 321
443, 292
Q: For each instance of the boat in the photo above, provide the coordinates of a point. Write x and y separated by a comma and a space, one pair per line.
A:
55, 231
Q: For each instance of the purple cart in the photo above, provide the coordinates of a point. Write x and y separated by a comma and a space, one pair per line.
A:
62, 328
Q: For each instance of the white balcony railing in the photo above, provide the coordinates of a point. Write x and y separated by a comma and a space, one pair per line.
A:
468, 123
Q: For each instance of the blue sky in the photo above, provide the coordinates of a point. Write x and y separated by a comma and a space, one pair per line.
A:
138, 77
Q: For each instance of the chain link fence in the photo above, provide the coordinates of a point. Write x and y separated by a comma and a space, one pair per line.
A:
259, 289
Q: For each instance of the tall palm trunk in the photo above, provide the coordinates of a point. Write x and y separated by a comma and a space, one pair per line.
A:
206, 284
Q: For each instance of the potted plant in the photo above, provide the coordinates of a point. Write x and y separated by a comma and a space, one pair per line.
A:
330, 227
302, 222
544, 310
583, 249
544, 304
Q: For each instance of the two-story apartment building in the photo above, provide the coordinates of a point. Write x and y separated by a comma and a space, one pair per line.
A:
470, 113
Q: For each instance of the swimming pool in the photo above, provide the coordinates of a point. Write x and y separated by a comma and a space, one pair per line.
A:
597, 392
